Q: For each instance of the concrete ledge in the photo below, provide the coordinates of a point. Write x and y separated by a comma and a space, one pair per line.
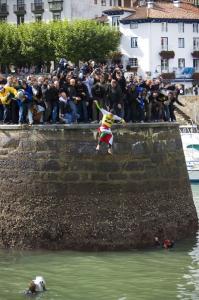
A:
86, 126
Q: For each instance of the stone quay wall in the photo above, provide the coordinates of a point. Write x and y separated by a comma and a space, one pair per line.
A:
58, 193
191, 108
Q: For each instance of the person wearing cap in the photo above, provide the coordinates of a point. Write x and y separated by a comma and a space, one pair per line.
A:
105, 133
6, 94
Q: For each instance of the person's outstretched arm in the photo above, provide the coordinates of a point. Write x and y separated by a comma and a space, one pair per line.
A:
103, 111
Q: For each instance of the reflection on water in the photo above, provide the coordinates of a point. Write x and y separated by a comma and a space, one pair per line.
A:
134, 275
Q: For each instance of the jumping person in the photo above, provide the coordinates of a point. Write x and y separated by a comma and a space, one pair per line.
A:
105, 134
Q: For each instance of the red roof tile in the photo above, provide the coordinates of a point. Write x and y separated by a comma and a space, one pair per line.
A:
165, 10
102, 19
119, 8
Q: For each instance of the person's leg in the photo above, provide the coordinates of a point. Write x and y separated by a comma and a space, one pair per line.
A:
47, 112
68, 118
85, 112
1, 112
110, 151
6, 114
166, 113
98, 145
30, 114
21, 110
172, 115
14, 111
74, 111
95, 112
99, 140
54, 112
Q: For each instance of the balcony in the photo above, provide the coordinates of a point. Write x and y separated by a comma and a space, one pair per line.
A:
168, 76
19, 10
167, 54
195, 54
195, 75
55, 5
37, 8
131, 68
4, 10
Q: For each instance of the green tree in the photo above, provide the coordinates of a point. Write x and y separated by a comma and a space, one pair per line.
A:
84, 40
10, 44
35, 44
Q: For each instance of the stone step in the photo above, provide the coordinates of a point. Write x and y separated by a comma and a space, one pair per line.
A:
182, 118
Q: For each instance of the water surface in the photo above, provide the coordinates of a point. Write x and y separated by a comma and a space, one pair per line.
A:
133, 275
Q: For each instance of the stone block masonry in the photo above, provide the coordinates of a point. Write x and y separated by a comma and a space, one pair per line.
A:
57, 193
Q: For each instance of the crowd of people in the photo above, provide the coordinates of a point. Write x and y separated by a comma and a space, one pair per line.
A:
68, 94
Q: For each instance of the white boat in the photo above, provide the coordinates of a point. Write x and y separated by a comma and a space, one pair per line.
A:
190, 142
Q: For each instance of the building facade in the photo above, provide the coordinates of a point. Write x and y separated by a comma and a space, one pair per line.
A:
19, 11
159, 38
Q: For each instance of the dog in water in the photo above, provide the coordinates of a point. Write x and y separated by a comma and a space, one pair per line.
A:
36, 286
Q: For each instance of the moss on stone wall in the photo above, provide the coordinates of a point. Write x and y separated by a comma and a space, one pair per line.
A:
57, 193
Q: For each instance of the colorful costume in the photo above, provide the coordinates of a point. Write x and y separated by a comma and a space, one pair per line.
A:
105, 133
6, 93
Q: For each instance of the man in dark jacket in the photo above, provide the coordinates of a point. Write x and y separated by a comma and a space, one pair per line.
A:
52, 102
114, 98
98, 92
82, 104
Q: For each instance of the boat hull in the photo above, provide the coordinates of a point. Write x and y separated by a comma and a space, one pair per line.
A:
193, 175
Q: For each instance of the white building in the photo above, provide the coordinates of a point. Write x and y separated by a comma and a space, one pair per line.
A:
159, 37
19, 11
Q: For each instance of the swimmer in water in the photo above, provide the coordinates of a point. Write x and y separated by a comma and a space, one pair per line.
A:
36, 286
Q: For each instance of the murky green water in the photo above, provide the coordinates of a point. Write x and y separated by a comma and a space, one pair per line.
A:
136, 275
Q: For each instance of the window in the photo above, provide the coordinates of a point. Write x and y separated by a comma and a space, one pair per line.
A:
195, 27
181, 63
180, 27
133, 25
164, 43
3, 5
164, 65
103, 2
111, 3
3, 19
55, 5
181, 43
133, 62
196, 64
134, 42
95, 1
195, 43
38, 17
38, 4
116, 21
20, 4
164, 26
56, 16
